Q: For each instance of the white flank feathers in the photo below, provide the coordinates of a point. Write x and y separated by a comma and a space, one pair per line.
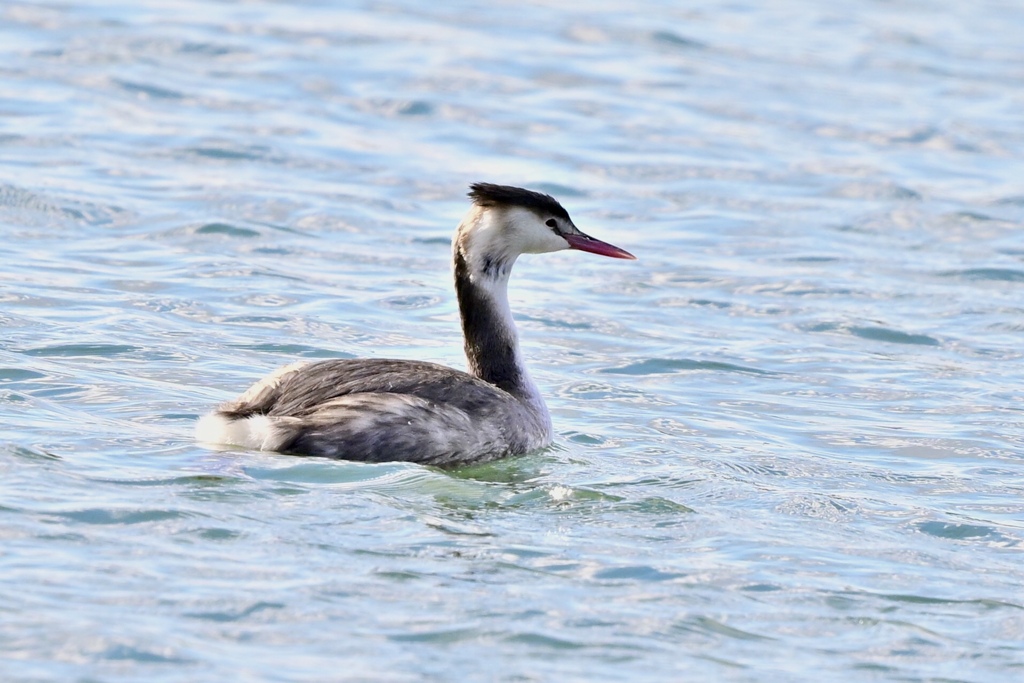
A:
257, 432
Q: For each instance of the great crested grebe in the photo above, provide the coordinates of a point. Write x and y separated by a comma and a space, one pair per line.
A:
380, 410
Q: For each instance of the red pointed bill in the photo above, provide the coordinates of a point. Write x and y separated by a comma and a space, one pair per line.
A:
588, 243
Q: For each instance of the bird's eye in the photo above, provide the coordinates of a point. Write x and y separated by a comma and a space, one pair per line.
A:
551, 223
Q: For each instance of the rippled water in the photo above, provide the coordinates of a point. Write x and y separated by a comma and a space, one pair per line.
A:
789, 437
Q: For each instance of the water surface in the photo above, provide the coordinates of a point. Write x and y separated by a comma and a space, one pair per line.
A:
789, 437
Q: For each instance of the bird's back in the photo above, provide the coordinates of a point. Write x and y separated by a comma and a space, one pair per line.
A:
378, 410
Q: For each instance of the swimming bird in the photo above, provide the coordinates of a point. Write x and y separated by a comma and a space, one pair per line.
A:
380, 410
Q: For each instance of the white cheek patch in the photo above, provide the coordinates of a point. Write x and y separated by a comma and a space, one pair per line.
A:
529, 234
515, 231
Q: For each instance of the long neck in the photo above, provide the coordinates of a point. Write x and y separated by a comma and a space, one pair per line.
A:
492, 347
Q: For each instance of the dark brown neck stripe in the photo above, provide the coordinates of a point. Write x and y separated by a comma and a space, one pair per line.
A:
489, 338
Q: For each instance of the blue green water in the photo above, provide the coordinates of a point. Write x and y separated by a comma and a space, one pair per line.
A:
789, 438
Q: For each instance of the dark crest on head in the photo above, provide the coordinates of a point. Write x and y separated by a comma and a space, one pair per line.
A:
488, 195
